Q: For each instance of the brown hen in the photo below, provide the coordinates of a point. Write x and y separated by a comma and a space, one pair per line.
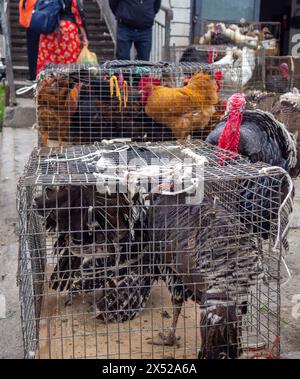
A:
184, 109
57, 100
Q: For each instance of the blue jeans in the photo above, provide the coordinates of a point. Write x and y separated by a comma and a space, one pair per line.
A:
33, 40
142, 40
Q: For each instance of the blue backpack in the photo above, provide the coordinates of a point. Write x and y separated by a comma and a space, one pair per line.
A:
45, 16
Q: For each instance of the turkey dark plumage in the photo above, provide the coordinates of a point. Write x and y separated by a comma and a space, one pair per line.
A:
99, 248
286, 109
207, 255
261, 138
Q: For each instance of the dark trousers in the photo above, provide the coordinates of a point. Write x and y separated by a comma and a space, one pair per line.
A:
142, 40
33, 40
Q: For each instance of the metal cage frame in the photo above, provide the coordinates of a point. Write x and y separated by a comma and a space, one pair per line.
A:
239, 195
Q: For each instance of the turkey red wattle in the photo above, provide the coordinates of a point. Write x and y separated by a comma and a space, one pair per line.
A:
230, 136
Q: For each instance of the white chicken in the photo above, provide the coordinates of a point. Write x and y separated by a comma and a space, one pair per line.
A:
228, 59
247, 63
240, 71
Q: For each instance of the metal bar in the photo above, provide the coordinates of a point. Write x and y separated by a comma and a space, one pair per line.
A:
168, 19
8, 59
109, 18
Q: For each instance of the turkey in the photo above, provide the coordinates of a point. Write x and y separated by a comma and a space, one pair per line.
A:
285, 108
99, 248
287, 111
209, 257
258, 136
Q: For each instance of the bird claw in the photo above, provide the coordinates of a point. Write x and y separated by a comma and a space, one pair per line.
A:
162, 340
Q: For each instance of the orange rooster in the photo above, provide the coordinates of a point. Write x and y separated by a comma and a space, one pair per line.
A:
183, 109
57, 100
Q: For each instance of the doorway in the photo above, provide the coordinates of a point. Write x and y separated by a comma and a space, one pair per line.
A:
279, 11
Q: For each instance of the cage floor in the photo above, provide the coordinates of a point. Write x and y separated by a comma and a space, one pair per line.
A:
72, 332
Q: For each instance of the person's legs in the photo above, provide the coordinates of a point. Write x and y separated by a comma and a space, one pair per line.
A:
33, 40
124, 42
143, 44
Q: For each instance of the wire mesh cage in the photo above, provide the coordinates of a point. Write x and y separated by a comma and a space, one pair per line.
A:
135, 100
280, 74
120, 242
244, 33
243, 68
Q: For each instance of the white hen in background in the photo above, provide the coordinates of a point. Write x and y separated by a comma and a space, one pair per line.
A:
228, 60
239, 72
247, 63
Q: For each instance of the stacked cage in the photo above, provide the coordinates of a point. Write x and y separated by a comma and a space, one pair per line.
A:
281, 95
280, 74
132, 100
132, 250
241, 46
243, 67
251, 46
253, 34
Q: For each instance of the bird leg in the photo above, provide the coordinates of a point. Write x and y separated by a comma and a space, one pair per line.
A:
62, 134
44, 138
170, 338
60, 138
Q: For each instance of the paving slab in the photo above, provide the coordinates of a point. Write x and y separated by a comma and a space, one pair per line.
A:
15, 147
23, 115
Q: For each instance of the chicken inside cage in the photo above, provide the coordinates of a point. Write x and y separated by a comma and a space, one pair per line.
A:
78, 104
242, 68
149, 251
250, 51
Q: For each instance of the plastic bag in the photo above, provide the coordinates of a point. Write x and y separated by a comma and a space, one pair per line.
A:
87, 57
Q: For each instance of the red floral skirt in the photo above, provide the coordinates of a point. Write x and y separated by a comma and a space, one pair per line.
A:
59, 47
